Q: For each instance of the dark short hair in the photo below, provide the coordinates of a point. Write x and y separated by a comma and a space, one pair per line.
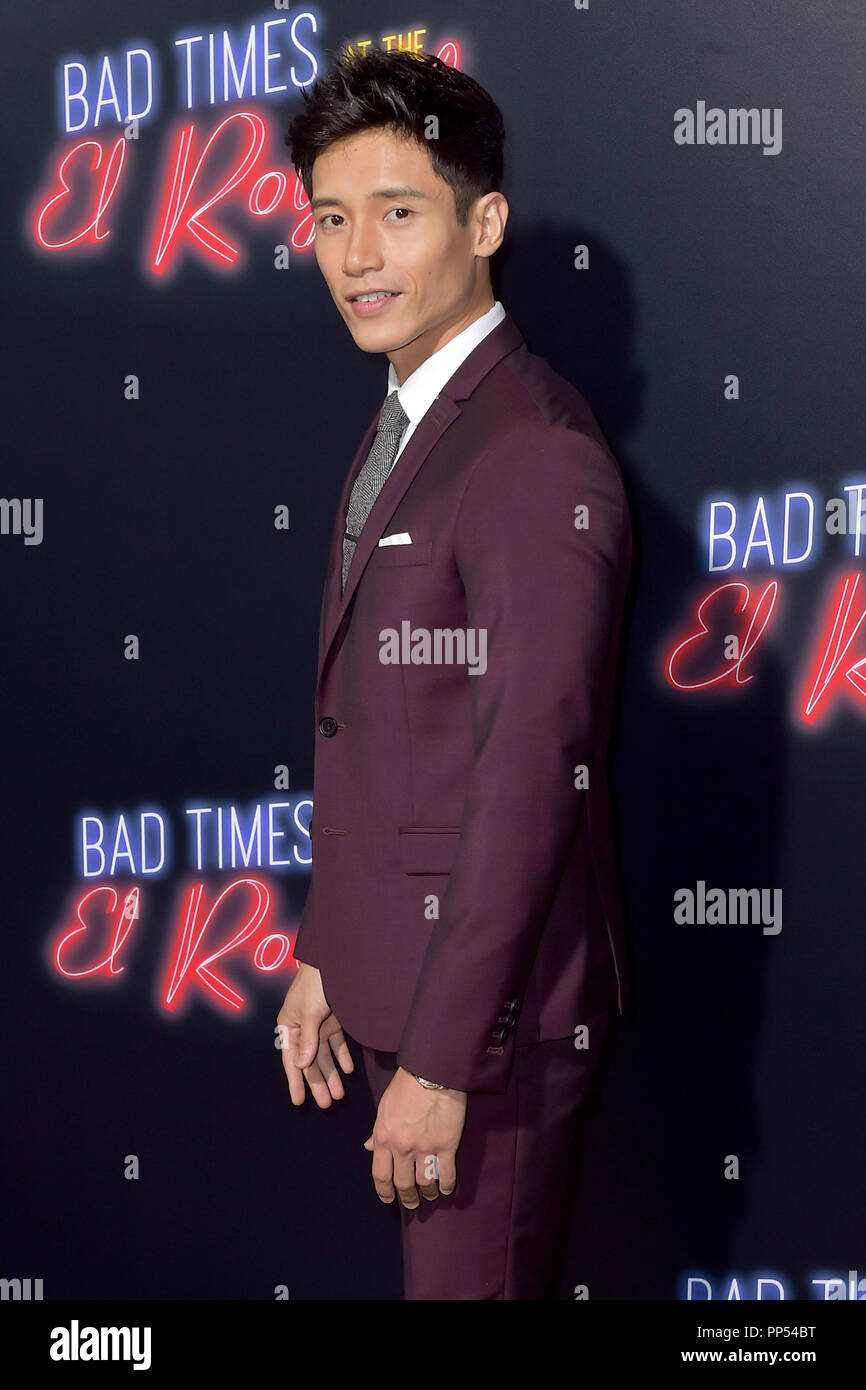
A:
401, 91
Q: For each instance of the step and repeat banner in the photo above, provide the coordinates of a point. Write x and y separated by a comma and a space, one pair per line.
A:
181, 404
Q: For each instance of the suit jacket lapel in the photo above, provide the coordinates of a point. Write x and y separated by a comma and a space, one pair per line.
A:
331, 600
445, 409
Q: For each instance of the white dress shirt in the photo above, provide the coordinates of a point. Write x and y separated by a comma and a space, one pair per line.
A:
421, 388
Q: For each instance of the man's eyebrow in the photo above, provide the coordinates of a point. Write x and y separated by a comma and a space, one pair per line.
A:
403, 190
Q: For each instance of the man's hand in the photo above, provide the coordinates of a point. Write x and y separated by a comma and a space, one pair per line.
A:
310, 1039
415, 1139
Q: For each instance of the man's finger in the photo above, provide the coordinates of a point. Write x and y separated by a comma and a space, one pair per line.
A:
404, 1180
297, 1090
328, 1069
308, 1042
340, 1049
447, 1172
426, 1174
319, 1088
382, 1169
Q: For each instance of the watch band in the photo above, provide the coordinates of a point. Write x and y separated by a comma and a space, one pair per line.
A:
431, 1085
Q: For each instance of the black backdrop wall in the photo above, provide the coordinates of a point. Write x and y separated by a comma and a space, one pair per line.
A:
715, 323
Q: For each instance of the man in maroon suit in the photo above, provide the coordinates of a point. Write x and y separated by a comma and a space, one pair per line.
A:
463, 922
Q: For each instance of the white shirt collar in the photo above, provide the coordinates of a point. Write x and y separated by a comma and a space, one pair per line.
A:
421, 388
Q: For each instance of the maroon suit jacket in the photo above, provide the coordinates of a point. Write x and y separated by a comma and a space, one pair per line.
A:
464, 895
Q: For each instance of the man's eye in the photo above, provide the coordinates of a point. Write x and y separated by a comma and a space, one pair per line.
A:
327, 218
408, 212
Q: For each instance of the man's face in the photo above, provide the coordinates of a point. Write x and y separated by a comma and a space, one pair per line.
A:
385, 221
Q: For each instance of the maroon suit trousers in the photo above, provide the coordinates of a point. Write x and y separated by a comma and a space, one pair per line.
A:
501, 1233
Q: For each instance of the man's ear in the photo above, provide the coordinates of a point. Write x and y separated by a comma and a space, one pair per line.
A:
491, 215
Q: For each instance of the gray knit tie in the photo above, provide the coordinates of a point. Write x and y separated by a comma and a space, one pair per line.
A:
368, 484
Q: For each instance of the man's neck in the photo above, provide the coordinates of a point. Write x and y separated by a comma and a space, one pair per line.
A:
406, 360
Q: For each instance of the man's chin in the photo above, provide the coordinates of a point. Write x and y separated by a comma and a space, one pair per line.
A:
376, 338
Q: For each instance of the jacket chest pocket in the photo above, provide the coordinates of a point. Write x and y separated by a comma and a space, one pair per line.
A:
388, 556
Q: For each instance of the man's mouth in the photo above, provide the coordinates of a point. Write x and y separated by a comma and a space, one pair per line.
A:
369, 296
368, 303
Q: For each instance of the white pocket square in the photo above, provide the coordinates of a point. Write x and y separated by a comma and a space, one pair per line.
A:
398, 538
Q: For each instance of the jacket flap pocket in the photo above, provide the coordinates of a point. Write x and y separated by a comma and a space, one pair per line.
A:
425, 851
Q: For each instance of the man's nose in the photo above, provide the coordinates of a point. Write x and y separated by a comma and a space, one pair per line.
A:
363, 253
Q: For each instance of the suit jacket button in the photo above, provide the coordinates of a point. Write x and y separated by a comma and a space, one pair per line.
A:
328, 726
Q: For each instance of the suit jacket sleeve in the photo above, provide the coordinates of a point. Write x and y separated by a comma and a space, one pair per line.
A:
547, 593
303, 949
